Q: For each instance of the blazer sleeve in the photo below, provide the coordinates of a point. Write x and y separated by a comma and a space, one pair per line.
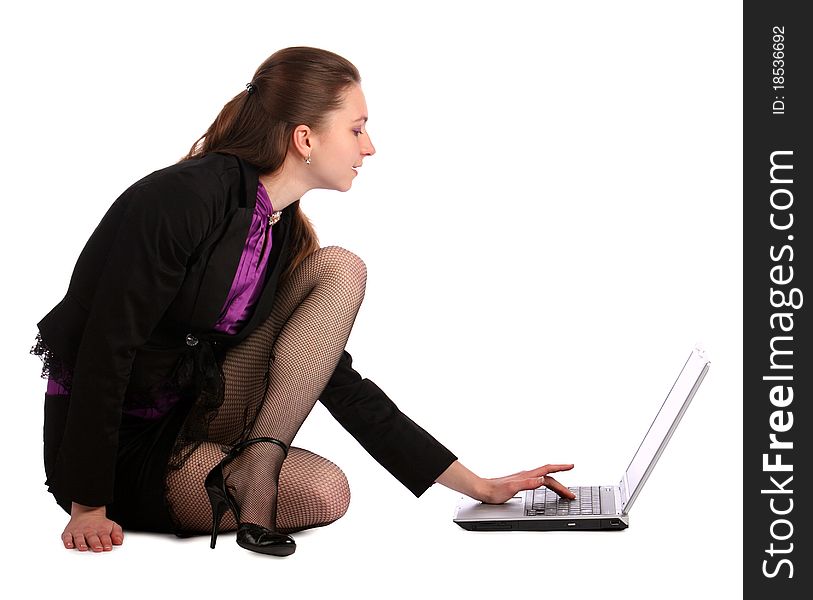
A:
407, 451
144, 268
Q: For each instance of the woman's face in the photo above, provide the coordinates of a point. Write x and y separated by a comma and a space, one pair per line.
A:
342, 146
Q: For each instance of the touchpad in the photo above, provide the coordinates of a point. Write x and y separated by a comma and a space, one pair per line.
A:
511, 508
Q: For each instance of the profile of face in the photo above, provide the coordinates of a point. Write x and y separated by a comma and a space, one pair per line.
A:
341, 146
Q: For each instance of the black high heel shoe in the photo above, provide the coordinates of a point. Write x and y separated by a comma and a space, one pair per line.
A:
249, 535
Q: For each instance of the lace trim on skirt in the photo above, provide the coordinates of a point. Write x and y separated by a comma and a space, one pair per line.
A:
199, 371
53, 367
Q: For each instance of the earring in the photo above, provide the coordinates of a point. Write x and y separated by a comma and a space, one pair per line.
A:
308, 160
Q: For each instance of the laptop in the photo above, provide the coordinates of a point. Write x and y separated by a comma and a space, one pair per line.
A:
598, 506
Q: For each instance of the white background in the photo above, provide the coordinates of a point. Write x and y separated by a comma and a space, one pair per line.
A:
552, 220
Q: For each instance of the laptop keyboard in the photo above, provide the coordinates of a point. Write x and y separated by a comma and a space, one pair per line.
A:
548, 503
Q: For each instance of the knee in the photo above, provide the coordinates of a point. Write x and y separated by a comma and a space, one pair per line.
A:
342, 263
332, 495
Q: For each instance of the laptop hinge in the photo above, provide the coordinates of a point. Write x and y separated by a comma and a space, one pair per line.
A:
624, 486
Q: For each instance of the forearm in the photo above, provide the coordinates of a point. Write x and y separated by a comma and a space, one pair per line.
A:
459, 478
396, 442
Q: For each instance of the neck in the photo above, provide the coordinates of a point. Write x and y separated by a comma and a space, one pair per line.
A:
284, 186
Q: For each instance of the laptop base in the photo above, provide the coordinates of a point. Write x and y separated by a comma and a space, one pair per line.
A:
603, 524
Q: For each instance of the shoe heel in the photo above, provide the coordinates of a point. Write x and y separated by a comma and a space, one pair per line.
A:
216, 490
218, 508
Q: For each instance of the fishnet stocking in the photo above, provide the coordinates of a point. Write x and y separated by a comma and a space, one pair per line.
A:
312, 492
273, 379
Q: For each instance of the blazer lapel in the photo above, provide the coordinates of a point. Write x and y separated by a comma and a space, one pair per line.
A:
225, 257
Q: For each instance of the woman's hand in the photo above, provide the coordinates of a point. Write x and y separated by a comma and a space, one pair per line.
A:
89, 527
501, 489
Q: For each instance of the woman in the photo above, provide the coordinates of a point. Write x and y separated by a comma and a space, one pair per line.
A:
202, 322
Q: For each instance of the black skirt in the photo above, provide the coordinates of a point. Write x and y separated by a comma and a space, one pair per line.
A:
144, 451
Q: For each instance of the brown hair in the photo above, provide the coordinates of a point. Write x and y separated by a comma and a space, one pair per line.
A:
294, 86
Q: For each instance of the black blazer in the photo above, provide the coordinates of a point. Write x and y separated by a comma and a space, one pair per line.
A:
156, 269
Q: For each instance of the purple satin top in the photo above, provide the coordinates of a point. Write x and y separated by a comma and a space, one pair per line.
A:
247, 285
241, 299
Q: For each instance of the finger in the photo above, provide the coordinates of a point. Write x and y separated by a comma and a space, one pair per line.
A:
557, 468
94, 542
557, 487
117, 535
67, 540
542, 471
107, 543
79, 542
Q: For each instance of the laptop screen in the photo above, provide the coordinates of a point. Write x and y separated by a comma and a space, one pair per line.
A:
665, 423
